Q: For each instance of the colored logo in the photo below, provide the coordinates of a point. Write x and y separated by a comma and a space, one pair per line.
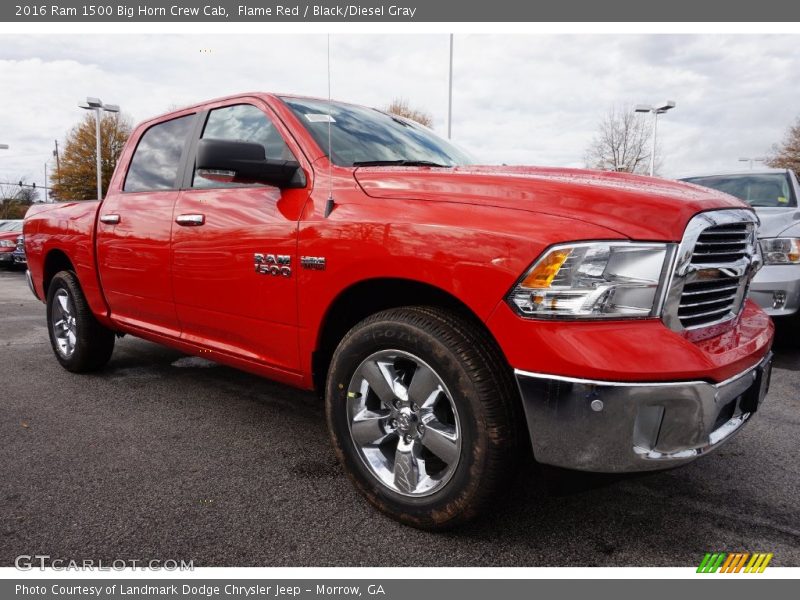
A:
735, 562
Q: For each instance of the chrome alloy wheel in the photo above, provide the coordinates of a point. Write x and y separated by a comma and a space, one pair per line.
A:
64, 324
404, 423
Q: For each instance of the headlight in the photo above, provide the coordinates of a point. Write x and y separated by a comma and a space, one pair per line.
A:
593, 280
781, 251
7, 244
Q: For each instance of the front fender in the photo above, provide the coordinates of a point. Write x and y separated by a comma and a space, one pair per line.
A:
471, 252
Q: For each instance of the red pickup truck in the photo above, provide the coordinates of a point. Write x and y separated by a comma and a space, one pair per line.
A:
454, 316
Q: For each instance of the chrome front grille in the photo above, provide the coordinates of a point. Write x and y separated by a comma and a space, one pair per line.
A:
706, 301
723, 243
714, 265
20, 243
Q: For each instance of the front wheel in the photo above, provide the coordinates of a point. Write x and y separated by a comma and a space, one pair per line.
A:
80, 343
422, 412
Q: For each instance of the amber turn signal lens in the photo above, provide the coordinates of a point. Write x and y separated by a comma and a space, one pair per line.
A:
543, 274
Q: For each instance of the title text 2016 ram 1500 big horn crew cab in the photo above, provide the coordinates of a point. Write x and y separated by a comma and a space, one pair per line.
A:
454, 315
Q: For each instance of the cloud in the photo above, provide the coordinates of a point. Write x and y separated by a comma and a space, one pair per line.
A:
531, 99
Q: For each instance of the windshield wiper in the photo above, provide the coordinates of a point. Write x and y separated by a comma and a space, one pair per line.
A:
398, 163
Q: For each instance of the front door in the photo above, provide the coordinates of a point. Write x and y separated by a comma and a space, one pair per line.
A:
234, 259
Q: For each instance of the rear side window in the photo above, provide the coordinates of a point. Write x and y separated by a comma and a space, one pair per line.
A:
246, 123
155, 162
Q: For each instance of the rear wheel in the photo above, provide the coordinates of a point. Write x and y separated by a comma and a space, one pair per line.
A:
79, 342
422, 413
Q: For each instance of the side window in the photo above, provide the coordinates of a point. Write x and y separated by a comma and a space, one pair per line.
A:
155, 161
243, 122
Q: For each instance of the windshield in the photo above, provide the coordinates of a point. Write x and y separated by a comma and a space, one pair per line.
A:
757, 189
363, 136
11, 226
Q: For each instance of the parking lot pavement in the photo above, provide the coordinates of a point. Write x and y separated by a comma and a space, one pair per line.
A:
165, 457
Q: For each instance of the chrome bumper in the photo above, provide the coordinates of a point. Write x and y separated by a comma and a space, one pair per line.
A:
617, 427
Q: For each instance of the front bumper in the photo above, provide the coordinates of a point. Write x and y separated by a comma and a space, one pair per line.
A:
776, 289
6, 258
617, 427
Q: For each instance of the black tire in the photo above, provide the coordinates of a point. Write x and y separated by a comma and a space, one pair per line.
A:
93, 343
480, 385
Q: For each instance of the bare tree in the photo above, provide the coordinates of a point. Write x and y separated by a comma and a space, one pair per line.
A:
622, 142
23, 192
15, 198
28, 195
400, 107
9, 191
786, 155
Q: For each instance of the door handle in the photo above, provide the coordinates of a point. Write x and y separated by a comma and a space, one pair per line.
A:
109, 219
190, 220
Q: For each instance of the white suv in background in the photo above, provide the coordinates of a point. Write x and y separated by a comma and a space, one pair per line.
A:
774, 194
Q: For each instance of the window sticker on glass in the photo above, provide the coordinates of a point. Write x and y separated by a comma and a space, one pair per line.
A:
319, 118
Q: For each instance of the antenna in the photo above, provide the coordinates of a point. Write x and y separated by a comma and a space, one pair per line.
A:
330, 204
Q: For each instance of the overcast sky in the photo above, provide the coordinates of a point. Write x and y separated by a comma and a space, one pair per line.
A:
518, 99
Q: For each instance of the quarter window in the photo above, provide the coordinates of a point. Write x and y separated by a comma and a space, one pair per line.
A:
155, 162
246, 123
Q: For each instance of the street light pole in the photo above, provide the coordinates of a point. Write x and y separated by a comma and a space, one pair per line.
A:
653, 150
99, 108
655, 111
98, 153
450, 93
3, 147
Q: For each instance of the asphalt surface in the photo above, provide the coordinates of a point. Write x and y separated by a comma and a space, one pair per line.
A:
162, 456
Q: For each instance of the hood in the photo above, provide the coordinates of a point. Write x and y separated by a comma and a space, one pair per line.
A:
774, 221
10, 235
642, 208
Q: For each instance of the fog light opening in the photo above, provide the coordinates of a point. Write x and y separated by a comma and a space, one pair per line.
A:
778, 299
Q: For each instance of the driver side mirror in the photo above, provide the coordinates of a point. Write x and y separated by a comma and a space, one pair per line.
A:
233, 161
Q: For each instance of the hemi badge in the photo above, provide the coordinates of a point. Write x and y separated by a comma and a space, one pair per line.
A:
315, 263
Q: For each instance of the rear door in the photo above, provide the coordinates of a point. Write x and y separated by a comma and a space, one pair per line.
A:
234, 259
135, 225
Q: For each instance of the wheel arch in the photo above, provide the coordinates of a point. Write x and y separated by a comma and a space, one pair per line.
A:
369, 296
55, 261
